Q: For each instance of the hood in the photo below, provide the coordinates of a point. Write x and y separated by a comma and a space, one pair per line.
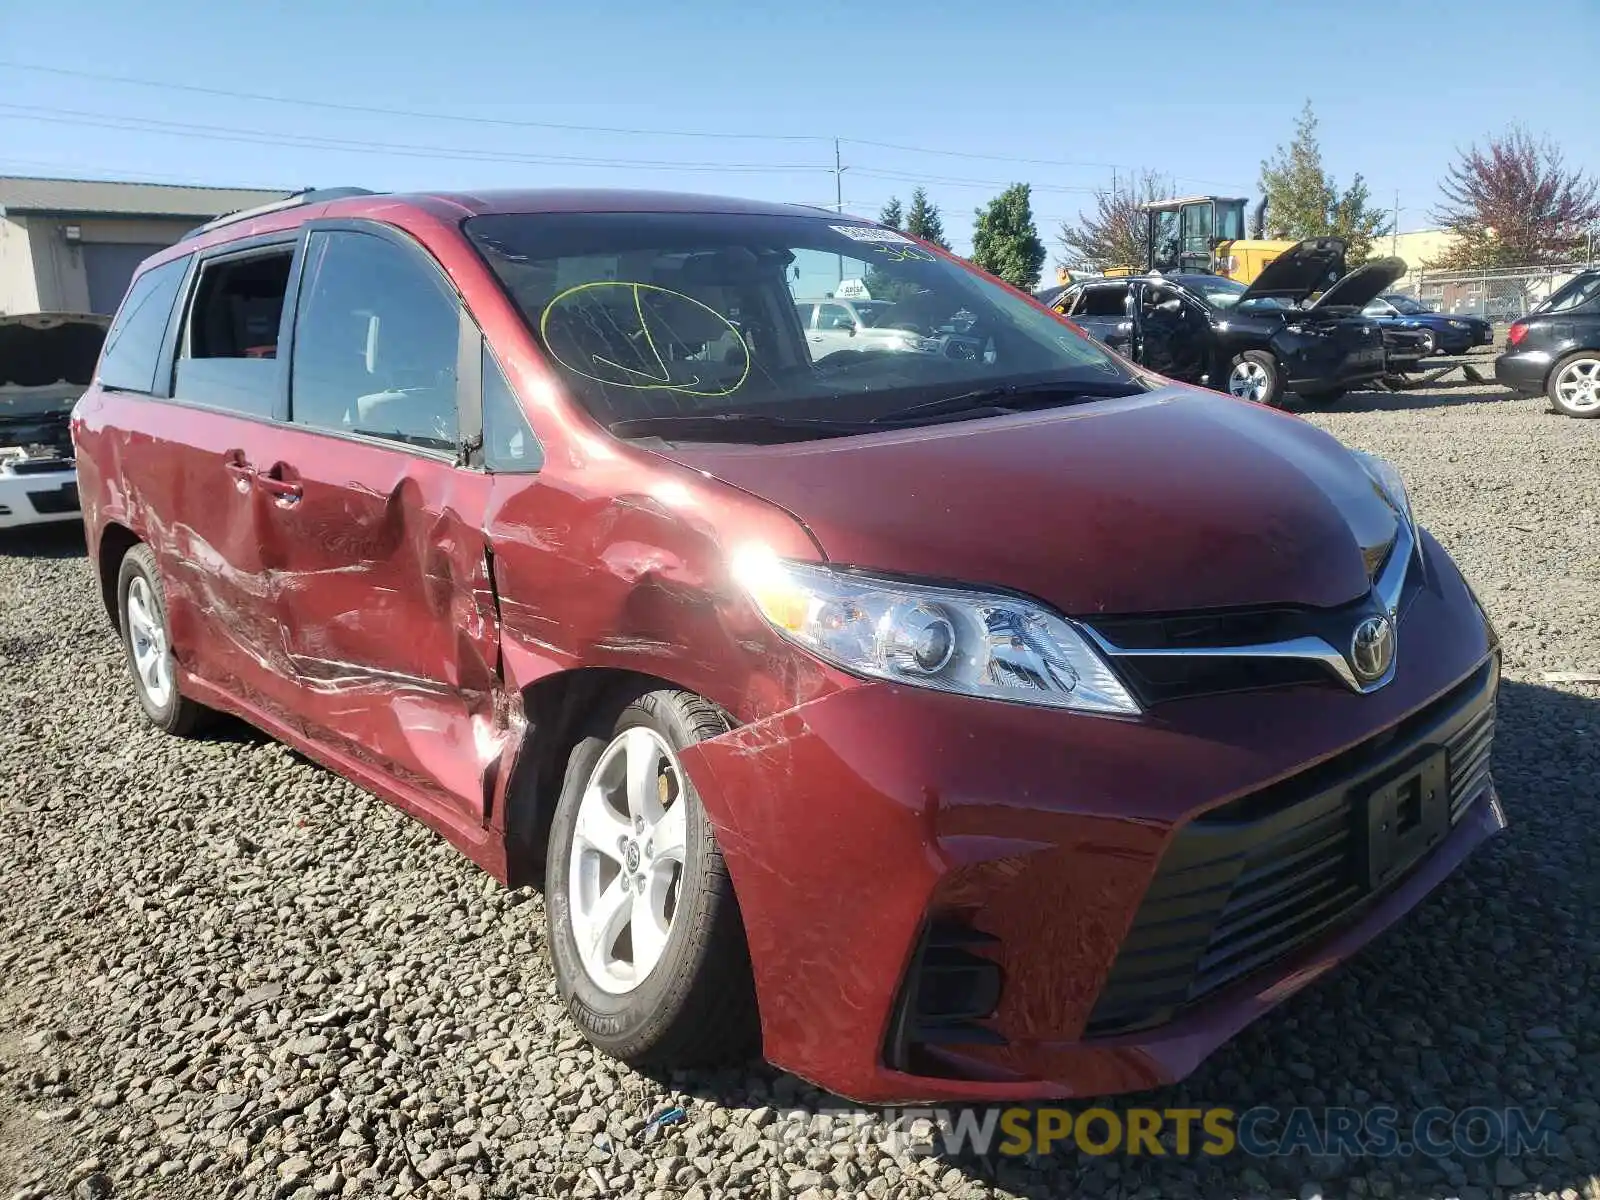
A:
47, 359
1171, 501
1303, 270
1363, 285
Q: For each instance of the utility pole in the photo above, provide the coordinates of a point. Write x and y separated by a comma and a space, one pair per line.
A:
838, 194
1394, 234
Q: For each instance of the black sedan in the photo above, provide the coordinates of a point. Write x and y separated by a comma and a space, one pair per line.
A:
1440, 334
1555, 349
1258, 342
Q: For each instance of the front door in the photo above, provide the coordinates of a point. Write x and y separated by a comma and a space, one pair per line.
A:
1105, 311
376, 546
1173, 334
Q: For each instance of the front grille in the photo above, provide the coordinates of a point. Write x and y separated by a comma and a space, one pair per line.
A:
41, 466
1246, 883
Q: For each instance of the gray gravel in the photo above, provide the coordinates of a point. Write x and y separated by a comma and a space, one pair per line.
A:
227, 972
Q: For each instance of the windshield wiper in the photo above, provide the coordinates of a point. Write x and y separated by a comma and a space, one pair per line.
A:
1012, 397
736, 427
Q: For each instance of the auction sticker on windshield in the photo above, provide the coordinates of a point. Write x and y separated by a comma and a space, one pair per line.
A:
867, 233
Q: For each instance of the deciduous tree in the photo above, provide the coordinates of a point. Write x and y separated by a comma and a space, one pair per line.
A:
1515, 203
1116, 233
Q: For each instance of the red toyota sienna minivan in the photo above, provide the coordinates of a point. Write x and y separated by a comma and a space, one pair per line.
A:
910, 689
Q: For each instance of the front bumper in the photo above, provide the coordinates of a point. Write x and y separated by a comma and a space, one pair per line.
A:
1522, 371
862, 828
34, 499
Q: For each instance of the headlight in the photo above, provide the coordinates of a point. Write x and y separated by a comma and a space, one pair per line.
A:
1456, 324
950, 639
1386, 478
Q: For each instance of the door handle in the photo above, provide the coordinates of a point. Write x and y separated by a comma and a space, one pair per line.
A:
233, 462
283, 491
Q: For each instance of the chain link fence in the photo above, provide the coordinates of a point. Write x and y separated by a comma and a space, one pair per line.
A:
1498, 295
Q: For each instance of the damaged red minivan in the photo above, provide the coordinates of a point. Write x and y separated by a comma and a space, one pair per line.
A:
912, 690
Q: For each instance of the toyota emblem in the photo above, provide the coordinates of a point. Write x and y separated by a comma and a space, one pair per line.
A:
1372, 648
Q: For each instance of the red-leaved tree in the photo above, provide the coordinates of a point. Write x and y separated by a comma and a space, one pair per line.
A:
1515, 203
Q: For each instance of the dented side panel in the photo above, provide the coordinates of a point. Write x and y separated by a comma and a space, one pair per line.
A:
386, 612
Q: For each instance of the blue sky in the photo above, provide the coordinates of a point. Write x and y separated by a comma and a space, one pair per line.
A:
962, 97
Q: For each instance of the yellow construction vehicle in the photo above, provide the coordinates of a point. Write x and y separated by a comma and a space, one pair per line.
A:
1206, 234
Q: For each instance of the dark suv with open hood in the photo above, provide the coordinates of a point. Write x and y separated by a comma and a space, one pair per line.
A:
1258, 342
46, 363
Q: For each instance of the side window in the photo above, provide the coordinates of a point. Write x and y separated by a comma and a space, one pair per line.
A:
509, 444
228, 356
133, 344
375, 343
1102, 302
835, 316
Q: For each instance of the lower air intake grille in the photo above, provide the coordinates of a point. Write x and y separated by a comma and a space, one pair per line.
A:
1244, 884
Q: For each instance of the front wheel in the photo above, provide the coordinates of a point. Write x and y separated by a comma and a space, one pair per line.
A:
1575, 385
644, 931
1430, 343
1254, 376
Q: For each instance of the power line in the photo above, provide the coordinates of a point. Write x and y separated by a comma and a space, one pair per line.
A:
515, 123
378, 110
266, 137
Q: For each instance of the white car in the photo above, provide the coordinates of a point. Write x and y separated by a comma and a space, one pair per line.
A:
47, 361
835, 324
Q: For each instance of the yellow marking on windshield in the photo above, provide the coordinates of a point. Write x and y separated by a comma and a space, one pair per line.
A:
661, 382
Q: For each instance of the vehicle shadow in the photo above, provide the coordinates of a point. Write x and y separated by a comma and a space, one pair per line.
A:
57, 540
1488, 994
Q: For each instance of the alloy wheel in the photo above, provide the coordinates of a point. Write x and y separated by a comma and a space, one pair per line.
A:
151, 662
627, 860
1578, 385
1248, 381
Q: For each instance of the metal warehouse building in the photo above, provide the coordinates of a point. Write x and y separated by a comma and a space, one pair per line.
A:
71, 245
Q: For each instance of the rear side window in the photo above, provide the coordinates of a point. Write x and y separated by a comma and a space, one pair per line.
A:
375, 343
134, 342
229, 352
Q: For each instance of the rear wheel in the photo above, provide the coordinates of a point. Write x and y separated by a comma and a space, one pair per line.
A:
1254, 375
1575, 385
644, 931
142, 614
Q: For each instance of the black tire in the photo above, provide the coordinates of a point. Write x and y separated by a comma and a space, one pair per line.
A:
1272, 388
1332, 396
697, 1006
175, 713
1555, 378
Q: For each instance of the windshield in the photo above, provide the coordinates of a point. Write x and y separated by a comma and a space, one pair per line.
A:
1404, 304
1221, 292
707, 315
1575, 294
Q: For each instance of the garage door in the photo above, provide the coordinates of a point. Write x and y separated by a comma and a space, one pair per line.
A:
108, 267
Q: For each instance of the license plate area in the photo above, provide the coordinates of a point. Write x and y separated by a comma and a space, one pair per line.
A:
1404, 816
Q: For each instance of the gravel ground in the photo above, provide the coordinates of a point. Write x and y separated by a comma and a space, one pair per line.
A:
230, 973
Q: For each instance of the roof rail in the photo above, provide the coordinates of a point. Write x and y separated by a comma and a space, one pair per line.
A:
305, 196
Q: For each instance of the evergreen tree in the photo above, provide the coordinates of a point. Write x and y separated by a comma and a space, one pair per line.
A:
1005, 241
923, 220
